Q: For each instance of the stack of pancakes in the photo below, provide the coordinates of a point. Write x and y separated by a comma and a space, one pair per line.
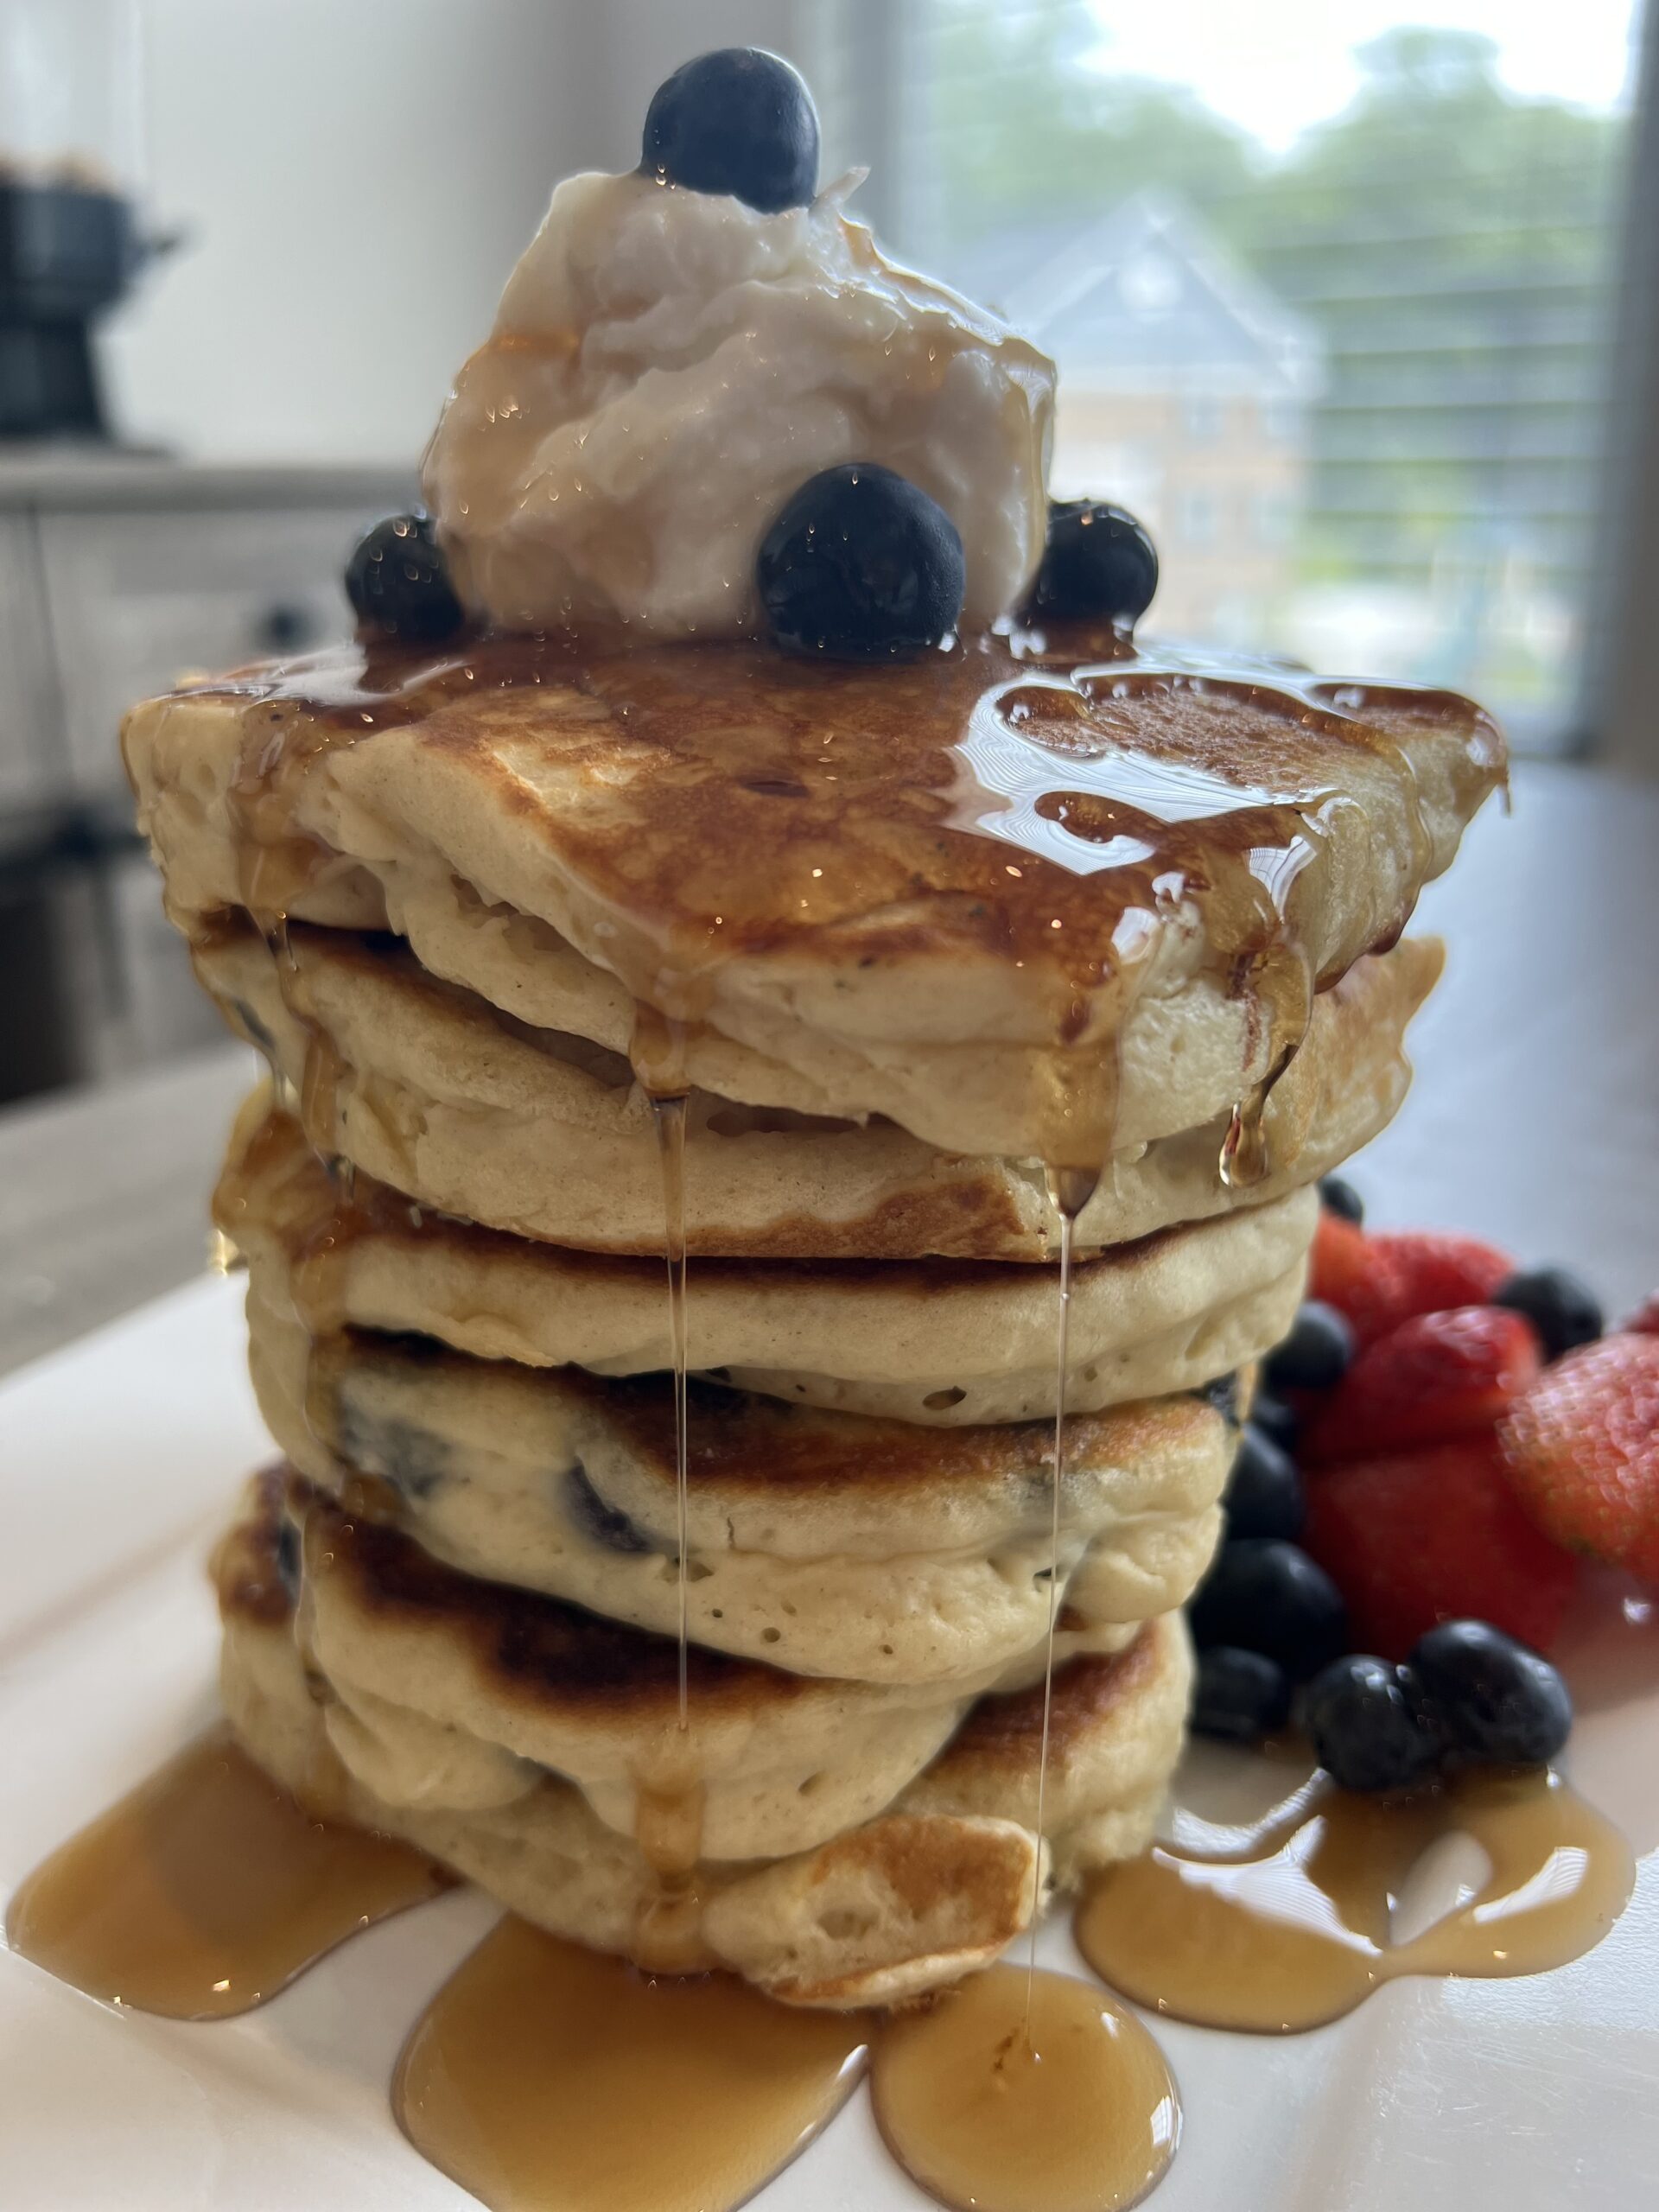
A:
907, 954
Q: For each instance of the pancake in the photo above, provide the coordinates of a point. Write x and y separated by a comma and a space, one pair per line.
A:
541, 1133
1037, 898
908, 1901
448, 1689
939, 1343
821, 1544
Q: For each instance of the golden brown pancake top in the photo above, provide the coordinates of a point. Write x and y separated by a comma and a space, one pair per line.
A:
1013, 796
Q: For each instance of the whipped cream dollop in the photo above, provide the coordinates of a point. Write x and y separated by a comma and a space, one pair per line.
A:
668, 366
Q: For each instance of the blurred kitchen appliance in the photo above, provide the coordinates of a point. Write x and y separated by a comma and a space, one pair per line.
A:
70, 239
119, 571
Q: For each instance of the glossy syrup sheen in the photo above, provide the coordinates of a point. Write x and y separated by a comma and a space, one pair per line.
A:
1287, 1925
1044, 806
207, 1890
1026, 2093
1050, 812
544, 2077
548, 2078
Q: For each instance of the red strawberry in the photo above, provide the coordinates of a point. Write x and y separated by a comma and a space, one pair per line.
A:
1582, 1450
1441, 1271
1376, 1282
1437, 1377
1644, 1322
1346, 1272
1434, 1535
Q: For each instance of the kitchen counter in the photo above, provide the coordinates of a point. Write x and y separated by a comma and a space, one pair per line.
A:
1534, 1120
99, 476
104, 1196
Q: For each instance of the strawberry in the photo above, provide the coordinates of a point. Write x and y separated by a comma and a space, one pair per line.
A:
1582, 1451
1376, 1282
1345, 1272
1434, 1535
1442, 1271
1437, 1377
1644, 1322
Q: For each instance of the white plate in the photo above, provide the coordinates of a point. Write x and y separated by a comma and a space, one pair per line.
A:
121, 1453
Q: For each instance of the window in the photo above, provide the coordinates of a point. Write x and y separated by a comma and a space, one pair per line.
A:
1204, 419
1281, 422
1397, 258
1273, 518
1198, 519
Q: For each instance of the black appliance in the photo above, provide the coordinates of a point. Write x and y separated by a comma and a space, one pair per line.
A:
68, 251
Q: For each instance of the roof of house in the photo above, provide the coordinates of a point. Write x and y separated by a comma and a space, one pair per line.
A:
1143, 298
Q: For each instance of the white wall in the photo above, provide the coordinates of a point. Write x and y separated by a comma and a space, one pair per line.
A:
357, 177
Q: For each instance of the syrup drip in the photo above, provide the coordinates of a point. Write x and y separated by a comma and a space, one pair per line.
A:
315, 1241
1055, 764
667, 1824
1051, 801
668, 1928
321, 1078
1069, 1191
658, 1056
205, 1890
275, 868
1285, 1925
1026, 2093
1282, 997
548, 2078
670, 1116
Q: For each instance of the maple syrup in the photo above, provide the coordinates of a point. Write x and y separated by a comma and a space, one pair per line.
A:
668, 1823
205, 1890
667, 1935
657, 1054
1058, 803
670, 1116
1285, 1925
1054, 800
1069, 1191
545, 2077
1018, 2093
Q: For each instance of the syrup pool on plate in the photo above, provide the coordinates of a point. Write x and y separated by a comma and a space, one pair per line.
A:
1026, 2092
545, 2077
1286, 1924
207, 1890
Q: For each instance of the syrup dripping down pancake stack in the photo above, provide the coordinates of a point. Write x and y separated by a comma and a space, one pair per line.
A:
799, 1054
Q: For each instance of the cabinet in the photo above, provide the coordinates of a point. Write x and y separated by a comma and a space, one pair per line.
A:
117, 574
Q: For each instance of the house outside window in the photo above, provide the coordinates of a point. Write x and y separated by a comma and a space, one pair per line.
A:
1203, 418
1198, 519
1365, 295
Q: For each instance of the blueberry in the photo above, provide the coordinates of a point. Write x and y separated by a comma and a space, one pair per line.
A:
398, 580
1562, 1310
1276, 1421
860, 565
1497, 1700
416, 1462
1240, 1695
1265, 1595
1365, 1720
1315, 1355
1098, 564
1222, 1394
737, 121
1264, 1492
1342, 1199
601, 1524
287, 1558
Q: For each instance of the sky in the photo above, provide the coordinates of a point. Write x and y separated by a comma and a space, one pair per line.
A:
1275, 66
